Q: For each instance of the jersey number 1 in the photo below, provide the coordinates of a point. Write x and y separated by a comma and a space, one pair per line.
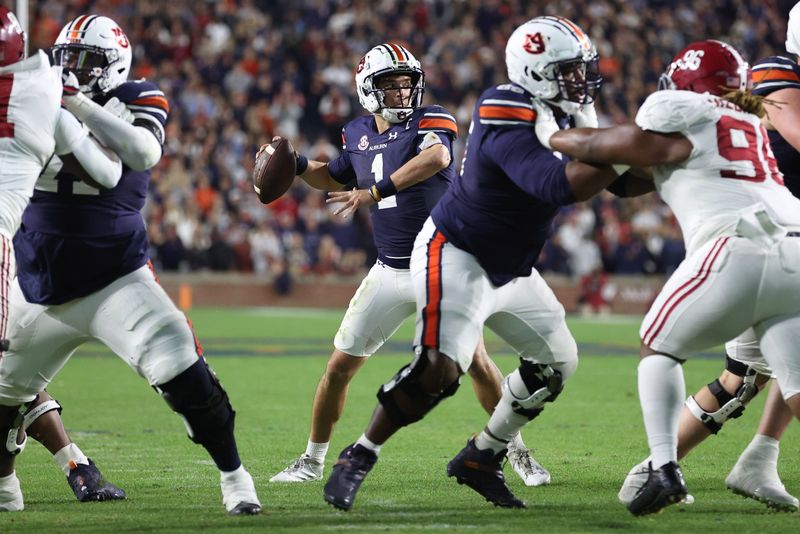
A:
377, 170
6, 83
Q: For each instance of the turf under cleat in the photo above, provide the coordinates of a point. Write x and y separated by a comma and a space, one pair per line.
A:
529, 470
664, 486
304, 469
347, 475
482, 471
761, 482
239, 493
89, 485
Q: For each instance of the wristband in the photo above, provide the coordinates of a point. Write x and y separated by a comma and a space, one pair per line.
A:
385, 188
301, 164
373, 192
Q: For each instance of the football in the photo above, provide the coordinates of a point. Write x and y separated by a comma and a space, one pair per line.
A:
274, 170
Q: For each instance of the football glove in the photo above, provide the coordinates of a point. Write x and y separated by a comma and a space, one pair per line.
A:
70, 83
586, 117
118, 109
546, 124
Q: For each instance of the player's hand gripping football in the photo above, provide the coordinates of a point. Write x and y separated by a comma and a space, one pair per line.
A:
546, 124
352, 200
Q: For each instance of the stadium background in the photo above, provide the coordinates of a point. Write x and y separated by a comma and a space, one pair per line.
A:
237, 72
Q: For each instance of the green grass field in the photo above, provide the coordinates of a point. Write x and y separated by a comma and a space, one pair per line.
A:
270, 361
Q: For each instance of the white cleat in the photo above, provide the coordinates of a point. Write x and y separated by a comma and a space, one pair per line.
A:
636, 478
304, 469
761, 482
529, 470
239, 493
10, 494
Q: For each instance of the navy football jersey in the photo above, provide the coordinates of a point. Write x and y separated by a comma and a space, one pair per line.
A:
75, 239
769, 75
501, 207
370, 157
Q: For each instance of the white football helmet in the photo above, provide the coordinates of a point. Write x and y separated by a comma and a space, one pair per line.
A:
382, 60
554, 60
97, 50
793, 30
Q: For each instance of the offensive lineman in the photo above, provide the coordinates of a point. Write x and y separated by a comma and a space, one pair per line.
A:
714, 167
83, 266
400, 155
33, 127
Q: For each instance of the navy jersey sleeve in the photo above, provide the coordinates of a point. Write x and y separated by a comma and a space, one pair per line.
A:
341, 169
148, 104
437, 121
774, 73
533, 168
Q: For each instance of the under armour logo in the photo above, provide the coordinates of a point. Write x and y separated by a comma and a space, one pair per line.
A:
392, 136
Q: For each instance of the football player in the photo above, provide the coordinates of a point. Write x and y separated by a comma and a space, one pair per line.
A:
472, 263
34, 127
755, 474
714, 167
83, 270
401, 158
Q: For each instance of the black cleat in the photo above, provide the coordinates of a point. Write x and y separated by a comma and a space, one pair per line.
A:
347, 475
246, 508
89, 485
483, 472
664, 486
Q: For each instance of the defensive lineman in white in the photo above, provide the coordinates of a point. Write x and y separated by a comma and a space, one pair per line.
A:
714, 166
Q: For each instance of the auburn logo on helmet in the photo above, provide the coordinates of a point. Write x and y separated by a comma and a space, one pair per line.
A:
534, 44
121, 38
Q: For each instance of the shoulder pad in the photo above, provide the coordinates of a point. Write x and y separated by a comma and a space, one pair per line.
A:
507, 105
773, 73
674, 111
437, 119
141, 93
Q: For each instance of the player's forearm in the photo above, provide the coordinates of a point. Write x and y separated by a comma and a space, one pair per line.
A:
317, 176
101, 164
136, 146
421, 167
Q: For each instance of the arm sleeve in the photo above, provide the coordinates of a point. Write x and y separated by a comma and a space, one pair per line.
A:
102, 165
533, 168
68, 133
341, 169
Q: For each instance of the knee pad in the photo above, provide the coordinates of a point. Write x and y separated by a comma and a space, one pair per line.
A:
541, 383
197, 395
24, 417
730, 406
406, 399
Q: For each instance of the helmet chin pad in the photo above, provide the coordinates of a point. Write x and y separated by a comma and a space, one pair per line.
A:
396, 115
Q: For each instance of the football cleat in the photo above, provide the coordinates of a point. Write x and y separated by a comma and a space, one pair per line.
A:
348, 473
529, 470
239, 493
482, 471
10, 494
636, 478
664, 486
760, 481
89, 485
304, 469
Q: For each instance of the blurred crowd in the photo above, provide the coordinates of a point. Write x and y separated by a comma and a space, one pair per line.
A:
237, 72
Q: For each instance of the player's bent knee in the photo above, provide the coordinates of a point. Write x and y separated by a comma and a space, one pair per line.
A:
197, 395
419, 386
531, 385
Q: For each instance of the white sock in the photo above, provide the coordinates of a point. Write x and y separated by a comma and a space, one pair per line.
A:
485, 441
230, 476
69, 456
366, 443
661, 394
317, 451
762, 449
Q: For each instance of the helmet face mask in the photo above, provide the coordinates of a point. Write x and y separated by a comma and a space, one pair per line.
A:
555, 61
381, 62
98, 52
707, 66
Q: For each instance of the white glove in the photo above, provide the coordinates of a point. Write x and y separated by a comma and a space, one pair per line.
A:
118, 109
70, 83
546, 124
586, 117
76, 102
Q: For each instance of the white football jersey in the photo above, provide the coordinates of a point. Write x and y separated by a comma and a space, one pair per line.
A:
30, 99
730, 171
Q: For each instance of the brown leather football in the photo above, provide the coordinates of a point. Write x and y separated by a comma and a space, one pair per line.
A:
274, 170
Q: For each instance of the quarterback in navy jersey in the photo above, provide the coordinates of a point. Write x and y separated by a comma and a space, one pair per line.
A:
400, 157
83, 269
472, 263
